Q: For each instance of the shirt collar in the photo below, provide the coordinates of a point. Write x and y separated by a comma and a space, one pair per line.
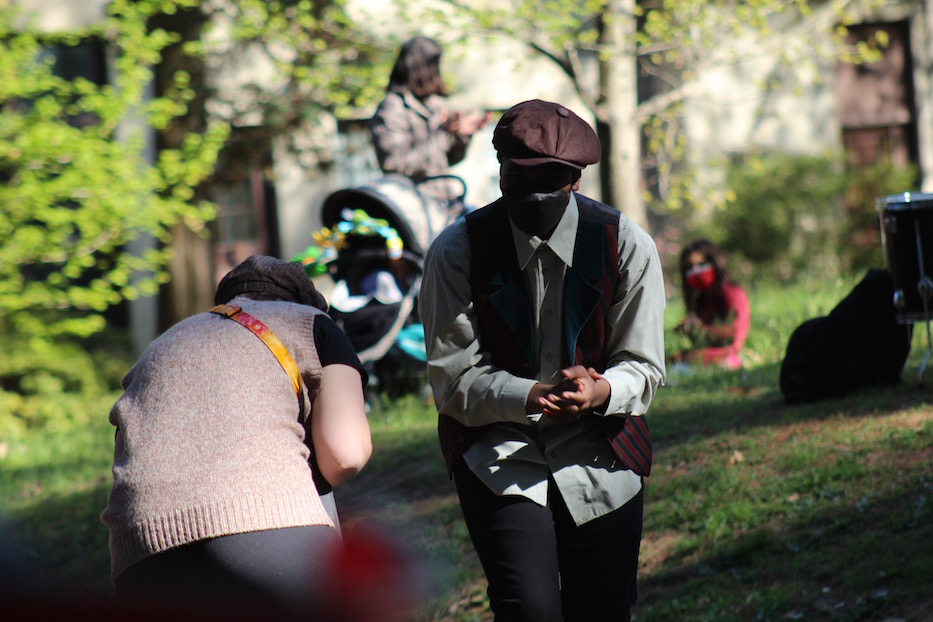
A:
561, 241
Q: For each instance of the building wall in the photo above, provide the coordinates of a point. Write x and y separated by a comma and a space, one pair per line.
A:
63, 15
731, 111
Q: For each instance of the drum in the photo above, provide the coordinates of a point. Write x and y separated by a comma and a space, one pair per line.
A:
907, 240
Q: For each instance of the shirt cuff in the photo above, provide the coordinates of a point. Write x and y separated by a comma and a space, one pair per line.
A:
514, 396
628, 392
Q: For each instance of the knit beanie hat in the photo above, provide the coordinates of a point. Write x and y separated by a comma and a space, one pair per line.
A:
260, 273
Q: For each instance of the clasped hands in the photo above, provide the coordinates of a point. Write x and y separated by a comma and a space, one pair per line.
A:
581, 389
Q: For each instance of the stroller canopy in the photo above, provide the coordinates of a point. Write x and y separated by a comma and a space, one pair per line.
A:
417, 217
374, 295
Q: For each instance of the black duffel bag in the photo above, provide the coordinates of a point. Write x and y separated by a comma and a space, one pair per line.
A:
859, 344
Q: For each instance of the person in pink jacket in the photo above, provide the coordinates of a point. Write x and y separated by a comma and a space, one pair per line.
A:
718, 316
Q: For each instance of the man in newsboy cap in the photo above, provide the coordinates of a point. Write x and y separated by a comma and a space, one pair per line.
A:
543, 315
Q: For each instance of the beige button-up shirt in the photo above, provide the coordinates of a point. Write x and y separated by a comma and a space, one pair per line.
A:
518, 455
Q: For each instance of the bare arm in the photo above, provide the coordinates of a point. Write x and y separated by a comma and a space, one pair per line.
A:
339, 427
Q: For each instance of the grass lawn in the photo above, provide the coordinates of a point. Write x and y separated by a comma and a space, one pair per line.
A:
754, 510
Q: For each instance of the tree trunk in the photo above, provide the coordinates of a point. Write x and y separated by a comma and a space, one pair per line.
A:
191, 286
617, 116
193, 282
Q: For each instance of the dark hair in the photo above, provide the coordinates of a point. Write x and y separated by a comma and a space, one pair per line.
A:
710, 256
418, 68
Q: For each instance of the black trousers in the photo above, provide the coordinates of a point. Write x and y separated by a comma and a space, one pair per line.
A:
239, 575
540, 566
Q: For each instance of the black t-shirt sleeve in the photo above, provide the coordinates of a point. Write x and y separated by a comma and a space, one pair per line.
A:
333, 346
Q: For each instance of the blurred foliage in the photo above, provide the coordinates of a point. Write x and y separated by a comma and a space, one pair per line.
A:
77, 189
59, 385
597, 44
76, 185
288, 70
782, 212
786, 215
80, 187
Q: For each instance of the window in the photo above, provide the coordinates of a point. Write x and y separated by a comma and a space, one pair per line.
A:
876, 100
84, 60
236, 212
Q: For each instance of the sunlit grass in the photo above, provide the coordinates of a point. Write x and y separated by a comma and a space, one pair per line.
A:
755, 510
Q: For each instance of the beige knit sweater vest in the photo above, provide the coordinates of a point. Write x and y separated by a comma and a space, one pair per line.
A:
209, 441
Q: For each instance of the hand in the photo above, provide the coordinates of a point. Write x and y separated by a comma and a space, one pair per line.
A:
451, 121
472, 122
541, 400
465, 124
582, 389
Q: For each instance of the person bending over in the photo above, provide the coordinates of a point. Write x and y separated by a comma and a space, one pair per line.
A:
215, 507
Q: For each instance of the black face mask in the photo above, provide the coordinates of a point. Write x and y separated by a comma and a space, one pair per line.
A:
538, 213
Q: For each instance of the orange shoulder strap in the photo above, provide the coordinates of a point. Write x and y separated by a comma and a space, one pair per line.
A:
268, 337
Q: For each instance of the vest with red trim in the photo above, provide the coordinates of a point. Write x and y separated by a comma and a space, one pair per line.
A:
506, 325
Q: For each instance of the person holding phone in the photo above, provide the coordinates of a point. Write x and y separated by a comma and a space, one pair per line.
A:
414, 132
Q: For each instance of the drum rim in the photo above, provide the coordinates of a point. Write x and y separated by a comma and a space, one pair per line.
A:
904, 200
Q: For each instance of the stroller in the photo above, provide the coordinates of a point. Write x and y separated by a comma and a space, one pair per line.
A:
372, 246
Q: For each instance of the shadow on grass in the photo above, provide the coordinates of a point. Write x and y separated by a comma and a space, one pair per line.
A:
857, 546
406, 494
871, 562
772, 573
57, 549
407, 467
837, 562
712, 402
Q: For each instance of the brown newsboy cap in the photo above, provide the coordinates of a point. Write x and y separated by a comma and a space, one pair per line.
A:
536, 132
285, 280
